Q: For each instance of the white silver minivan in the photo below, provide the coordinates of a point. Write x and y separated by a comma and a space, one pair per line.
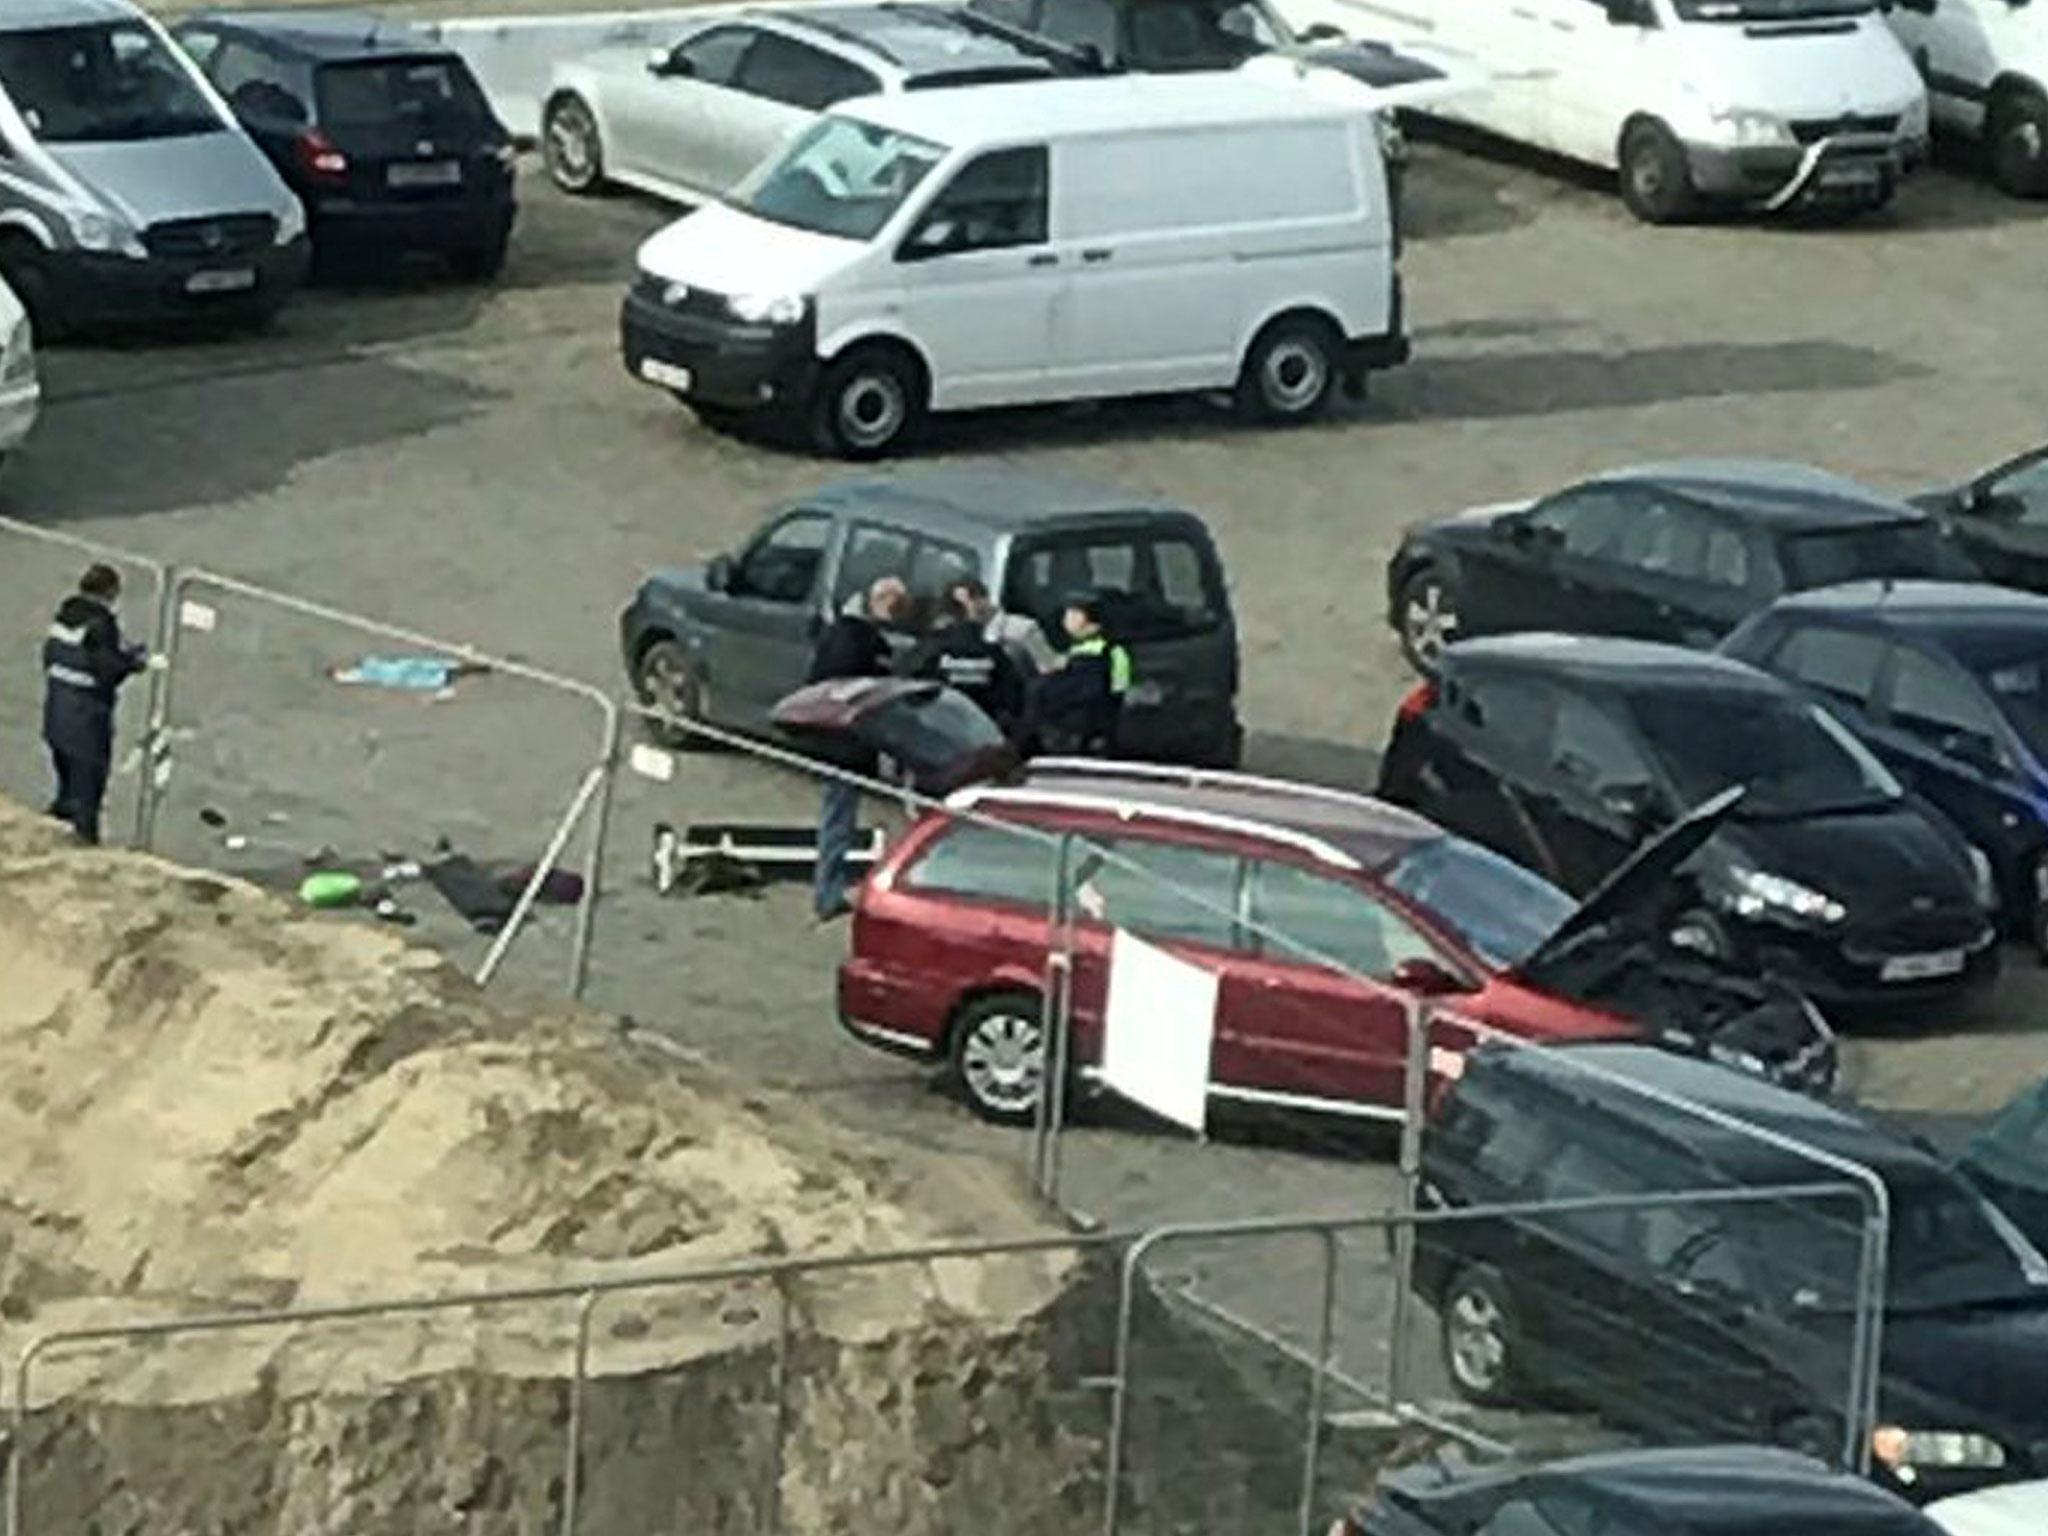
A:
1763, 104
1004, 244
1986, 67
127, 191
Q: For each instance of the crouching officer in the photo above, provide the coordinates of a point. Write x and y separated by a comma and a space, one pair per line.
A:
1077, 707
85, 662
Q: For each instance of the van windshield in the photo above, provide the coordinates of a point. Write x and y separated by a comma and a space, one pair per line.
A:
842, 177
1768, 10
101, 84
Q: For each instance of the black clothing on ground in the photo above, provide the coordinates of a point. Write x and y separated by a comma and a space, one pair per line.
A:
963, 658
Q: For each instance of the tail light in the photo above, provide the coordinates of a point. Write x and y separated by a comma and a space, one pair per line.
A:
319, 158
1416, 702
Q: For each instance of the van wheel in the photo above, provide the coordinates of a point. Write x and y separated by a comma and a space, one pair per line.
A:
2016, 139
998, 1056
665, 678
571, 147
870, 403
1290, 371
1656, 183
21, 264
1480, 1339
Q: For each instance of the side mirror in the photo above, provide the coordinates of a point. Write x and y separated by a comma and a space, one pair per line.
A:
1515, 528
1426, 978
1633, 803
718, 574
1623, 13
664, 62
1322, 32
1971, 747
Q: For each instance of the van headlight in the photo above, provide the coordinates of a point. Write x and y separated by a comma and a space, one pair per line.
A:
1913, 121
102, 232
291, 221
1752, 130
1754, 893
1906, 1451
766, 308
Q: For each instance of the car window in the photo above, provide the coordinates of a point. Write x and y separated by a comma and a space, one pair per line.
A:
1666, 538
798, 75
1501, 1139
995, 201
1727, 563
426, 93
202, 43
1934, 700
1579, 1171
840, 177
1838, 662
1511, 715
1907, 548
1195, 34
1155, 586
1586, 523
1174, 893
2022, 493
257, 84
934, 566
972, 860
1593, 751
714, 57
782, 565
1329, 918
1081, 24
102, 82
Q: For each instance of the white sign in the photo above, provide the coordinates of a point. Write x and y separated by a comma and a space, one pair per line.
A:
192, 615
1158, 1029
651, 763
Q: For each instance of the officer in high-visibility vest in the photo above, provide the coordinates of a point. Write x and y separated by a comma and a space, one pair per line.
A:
85, 662
1076, 707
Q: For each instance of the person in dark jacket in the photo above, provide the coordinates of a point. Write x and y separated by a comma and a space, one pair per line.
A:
853, 645
85, 662
1076, 707
958, 653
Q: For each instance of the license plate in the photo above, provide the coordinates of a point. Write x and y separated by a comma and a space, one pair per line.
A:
1847, 176
429, 173
232, 280
1943, 962
667, 375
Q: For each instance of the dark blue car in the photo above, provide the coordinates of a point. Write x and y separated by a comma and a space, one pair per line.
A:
1948, 683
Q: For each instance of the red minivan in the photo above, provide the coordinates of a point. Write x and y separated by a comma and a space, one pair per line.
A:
1249, 878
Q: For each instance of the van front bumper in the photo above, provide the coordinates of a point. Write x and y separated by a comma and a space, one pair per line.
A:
1849, 171
715, 360
94, 289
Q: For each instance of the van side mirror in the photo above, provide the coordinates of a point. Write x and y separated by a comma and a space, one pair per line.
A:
718, 574
1322, 32
665, 62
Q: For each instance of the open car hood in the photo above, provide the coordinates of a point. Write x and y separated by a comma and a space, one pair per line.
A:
936, 734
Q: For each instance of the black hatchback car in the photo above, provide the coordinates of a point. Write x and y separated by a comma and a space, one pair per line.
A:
383, 133
1678, 552
1724, 1320
2000, 519
1948, 683
1566, 752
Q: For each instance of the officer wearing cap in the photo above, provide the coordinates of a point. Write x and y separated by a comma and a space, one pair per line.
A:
85, 662
1077, 707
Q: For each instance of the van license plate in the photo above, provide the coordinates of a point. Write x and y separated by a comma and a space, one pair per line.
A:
1944, 962
231, 280
428, 173
1847, 176
667, 375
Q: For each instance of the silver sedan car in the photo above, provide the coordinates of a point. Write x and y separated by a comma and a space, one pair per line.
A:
692, 119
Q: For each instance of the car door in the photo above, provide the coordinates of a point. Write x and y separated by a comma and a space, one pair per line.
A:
1939, 732
760, 631
1486, 733
680, 122
1593, 797
981, 285
1552, 567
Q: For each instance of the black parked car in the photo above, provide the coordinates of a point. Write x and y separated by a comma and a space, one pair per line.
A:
1948, 683
2000, 520
2008, 1161
1565, 752
1724, 1320
1678, 552
1722, 1490
383, 133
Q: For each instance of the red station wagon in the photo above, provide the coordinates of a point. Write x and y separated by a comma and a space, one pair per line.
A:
949, 939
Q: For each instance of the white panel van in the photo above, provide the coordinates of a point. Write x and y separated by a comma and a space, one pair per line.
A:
1750, 103
1001, 244
1986, 67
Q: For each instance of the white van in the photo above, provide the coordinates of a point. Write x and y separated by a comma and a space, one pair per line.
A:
20, 394
995, 245
1748, 103
1986, 67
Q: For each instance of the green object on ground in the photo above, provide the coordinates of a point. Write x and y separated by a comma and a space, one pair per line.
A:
331, 888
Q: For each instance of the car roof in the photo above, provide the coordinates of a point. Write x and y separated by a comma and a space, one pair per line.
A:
1791, 498
1721, 1490
1616, 664
1979, 624
1737, 1095
1361, 831
25, 15
1054, 109
326, 34
989, 497
920, 40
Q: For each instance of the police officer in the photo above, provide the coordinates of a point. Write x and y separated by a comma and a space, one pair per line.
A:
1077, 707
85, 662
958, 653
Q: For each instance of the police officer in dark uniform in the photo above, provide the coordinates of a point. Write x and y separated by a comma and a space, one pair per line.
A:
1077, 707
85, 662
958, 653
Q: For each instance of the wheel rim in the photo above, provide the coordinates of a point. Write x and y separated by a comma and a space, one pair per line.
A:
1648, 175
1479, 1349
1430, 621
1003, 1061
2023, 145
871, 409
1295, 374
571, 146
668, 685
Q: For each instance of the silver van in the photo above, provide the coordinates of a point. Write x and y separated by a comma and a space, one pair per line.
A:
127, 191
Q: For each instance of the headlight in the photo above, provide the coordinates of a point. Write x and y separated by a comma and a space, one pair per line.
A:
1756, 893
766, 308
1913, 121
291, 222
18, 359
1985, 883
99, 232
1746, 129
1905, 1451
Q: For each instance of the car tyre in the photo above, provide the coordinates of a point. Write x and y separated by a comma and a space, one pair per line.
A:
998, 1056
1427, 606
665, 678
21, 264
1290, 371
571, 146
2016, 142
1480, 1338
1656, 182
869, 404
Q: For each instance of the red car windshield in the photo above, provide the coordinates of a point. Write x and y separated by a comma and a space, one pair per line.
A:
1499, 909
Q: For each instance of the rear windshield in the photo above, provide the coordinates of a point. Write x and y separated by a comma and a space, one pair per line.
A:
1154, 584
403, 91
1500, 909
1902, 549
101, 84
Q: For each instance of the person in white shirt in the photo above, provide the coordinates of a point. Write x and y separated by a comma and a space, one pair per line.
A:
1019, 634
